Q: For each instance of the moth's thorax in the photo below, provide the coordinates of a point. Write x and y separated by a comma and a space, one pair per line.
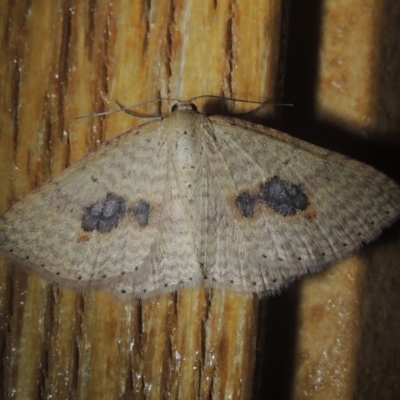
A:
187, 147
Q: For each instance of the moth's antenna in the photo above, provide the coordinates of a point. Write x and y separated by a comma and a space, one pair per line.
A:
127, 110
130, 112
260, 103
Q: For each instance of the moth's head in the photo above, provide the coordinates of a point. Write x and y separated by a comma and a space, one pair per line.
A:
183, 106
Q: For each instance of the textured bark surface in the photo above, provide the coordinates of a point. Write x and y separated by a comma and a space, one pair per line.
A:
334, 335
347, 318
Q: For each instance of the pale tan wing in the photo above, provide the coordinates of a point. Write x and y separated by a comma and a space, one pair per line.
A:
106, 221
283, 207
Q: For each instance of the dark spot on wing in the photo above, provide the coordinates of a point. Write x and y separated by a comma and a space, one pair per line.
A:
141, 213
104, 214
283, 197
245, 202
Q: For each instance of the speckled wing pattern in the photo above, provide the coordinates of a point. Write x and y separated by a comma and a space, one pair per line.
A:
192, 200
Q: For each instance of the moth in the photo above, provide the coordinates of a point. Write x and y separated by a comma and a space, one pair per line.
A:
193, 200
